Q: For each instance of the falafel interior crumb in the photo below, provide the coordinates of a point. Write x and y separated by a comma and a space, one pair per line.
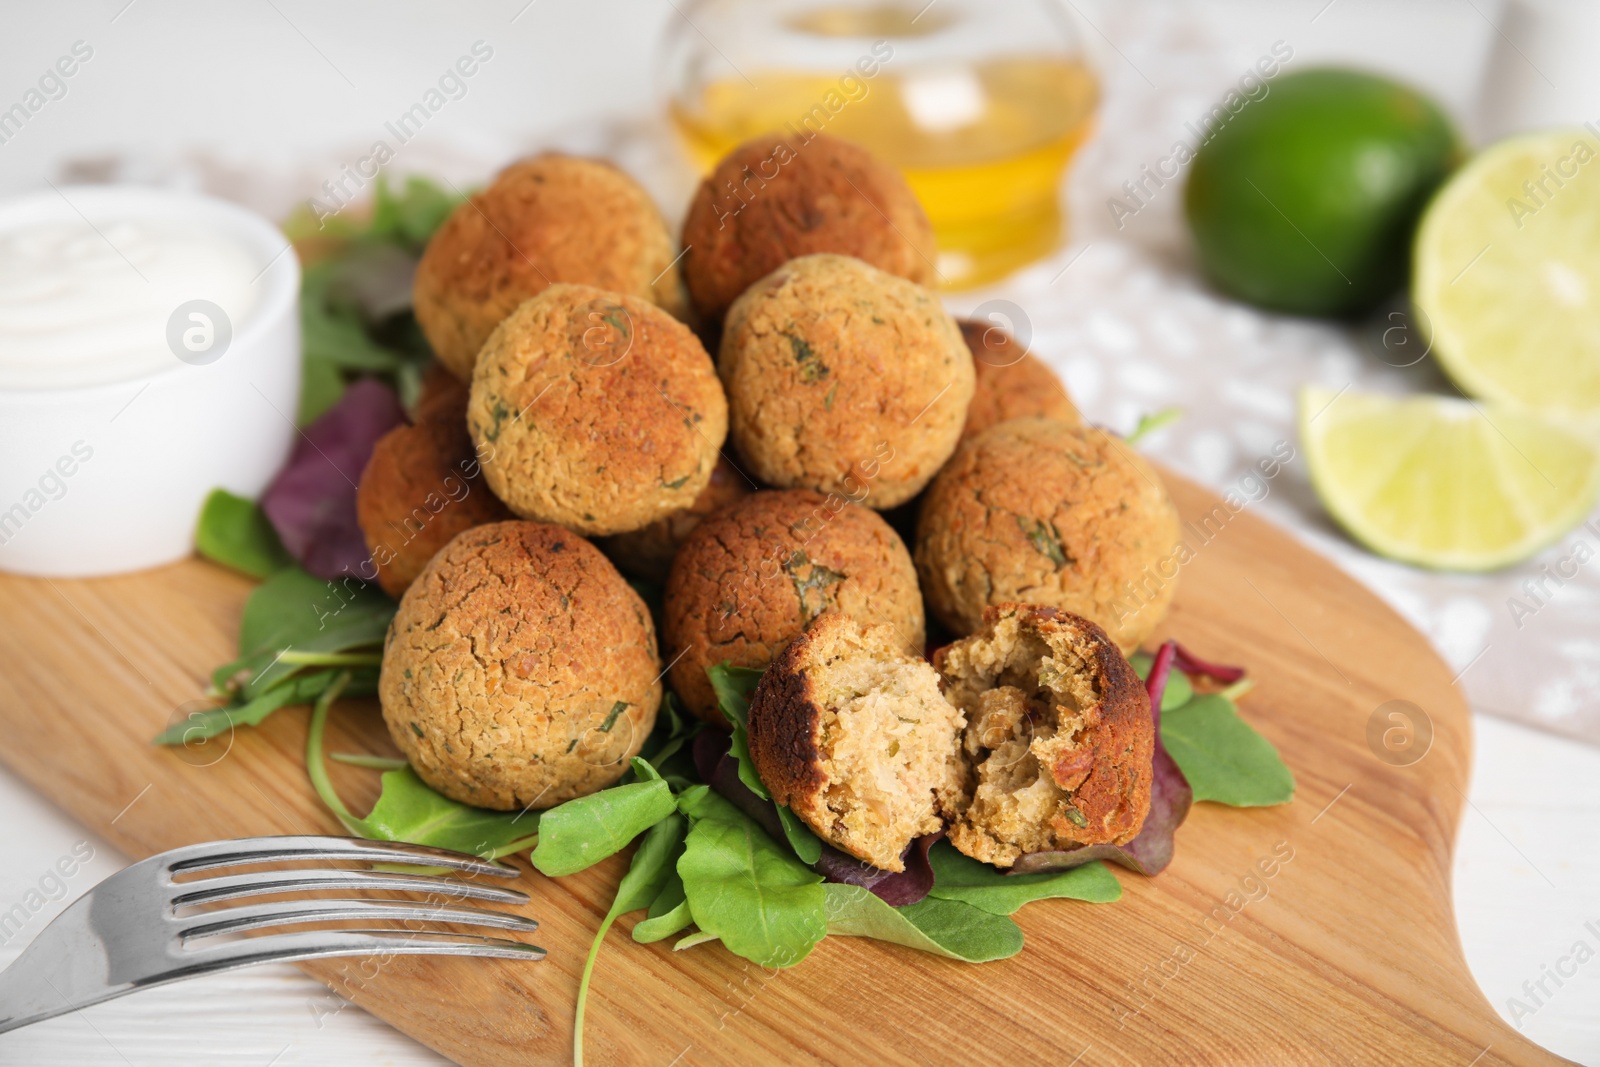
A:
1026, 702
888, 744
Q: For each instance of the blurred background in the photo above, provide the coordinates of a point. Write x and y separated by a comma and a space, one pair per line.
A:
1022, 138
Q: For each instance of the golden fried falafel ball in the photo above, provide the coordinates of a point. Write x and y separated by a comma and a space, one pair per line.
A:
595, 411
521, 669
775, 198
647, 552
1011, 382
750, 577
441, 396
1058, 739
420, 488
852, 733
845, 379
1033, 510
544, 220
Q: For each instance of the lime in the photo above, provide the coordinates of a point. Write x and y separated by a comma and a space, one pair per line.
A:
1304, 200
1444, 482
1508, 273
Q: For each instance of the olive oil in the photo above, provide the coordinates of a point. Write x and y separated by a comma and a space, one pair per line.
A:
982, 144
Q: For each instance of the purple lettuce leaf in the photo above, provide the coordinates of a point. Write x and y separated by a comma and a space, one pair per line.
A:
1189, 663
312, 501
720, 771
1170, 799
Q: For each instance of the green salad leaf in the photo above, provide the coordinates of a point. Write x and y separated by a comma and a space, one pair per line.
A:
669, 912
734, 686
408, 810
299, 689
1223, 757
960, 877
648, 874
293, 621
582, 832
806, 845
235, 532
745, 888
943, 927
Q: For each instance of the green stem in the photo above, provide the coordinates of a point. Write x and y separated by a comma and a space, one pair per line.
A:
583, 986
376, 763
315, 767
1238, 689
515, 846
332, 659
1149, 424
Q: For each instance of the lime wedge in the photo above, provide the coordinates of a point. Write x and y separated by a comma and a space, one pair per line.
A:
1447, 483
1507, 273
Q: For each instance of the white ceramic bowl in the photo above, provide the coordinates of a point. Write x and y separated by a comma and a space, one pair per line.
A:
109, 478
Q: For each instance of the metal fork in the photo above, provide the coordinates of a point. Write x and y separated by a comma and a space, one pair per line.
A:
127, 933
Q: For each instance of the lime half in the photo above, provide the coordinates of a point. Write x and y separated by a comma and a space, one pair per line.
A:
1447, 483
1507, 273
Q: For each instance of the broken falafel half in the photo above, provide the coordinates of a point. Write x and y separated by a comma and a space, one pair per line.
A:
851, 733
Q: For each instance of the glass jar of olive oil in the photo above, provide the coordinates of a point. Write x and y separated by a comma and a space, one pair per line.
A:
980, 103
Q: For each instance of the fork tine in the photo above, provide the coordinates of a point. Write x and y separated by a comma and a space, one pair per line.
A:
282, 913
307, 945
260, 883
314, 847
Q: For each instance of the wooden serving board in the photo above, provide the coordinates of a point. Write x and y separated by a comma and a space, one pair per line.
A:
1345, 954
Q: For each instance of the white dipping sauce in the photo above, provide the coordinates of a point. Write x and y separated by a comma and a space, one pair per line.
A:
82, 307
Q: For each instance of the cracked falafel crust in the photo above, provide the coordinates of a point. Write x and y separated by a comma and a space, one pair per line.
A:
750, 578
1058, 736
853, 735
1035, 511
548, 219
845, 379
520, 670
771, 200
595, 411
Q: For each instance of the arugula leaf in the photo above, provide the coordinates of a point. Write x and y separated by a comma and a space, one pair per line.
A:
300, 689
647, 875
669, 912
960, 877
234, 532
582, 832
734, 687
1223, 757
673, 730
806, 845
947, 928
408, 810
293, 611
745, 888
321, 386
411, 215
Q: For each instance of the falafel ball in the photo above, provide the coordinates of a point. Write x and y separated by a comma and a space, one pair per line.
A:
853, 735
843, 378
750, 578
1033, 510
647, 553
772, 199
1058, 738
420, 489
520, 670
441, 396
596, 411
1011, 382
544, 220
